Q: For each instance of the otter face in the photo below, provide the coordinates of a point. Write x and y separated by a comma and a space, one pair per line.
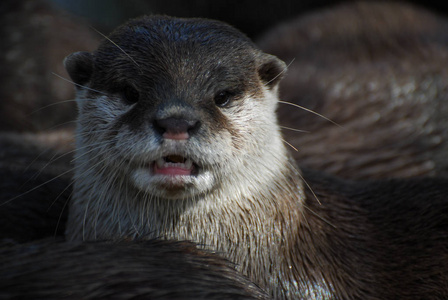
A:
171, 107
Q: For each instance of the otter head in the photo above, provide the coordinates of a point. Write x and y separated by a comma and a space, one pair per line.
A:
170, 104
173, 110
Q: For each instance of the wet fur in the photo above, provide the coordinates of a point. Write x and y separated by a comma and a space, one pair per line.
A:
125, 133
372, 240
378, 69
378, 239
119, 270
35, 185
343, 244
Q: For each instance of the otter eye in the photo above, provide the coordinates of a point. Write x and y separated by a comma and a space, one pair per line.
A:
130, 95
223, 98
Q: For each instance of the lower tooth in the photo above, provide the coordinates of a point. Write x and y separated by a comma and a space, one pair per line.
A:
188, 164
160, 162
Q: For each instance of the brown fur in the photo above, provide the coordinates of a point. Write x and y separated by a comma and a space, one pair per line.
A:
377, 240
336, 239
340, 243
119, 270
379, 69
33, 205
35, 38
35, 185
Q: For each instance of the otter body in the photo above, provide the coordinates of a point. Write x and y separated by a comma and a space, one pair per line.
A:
177, 138
48, 269
379, 70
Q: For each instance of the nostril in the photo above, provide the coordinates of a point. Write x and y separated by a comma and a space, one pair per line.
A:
194, 127
176, 128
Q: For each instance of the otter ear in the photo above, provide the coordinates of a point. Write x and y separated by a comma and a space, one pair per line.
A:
79, 66
271, 70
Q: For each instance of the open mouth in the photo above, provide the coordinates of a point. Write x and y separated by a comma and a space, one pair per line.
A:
175, 165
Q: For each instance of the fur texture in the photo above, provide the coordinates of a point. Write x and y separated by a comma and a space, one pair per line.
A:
119, 270
244, 196
379, 70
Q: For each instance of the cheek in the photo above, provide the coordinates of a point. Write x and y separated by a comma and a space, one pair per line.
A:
244, 124
98, 120
106, 109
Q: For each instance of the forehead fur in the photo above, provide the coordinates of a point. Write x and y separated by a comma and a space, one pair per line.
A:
164, 46
160, 29
161, 37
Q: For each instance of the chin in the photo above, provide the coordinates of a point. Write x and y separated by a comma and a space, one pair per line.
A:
173, 186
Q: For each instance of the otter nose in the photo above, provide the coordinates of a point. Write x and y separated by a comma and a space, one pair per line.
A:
176, 128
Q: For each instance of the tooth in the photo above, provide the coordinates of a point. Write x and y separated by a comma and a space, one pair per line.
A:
188, 163
160, 162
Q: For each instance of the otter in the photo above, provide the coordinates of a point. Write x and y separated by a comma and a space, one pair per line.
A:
35, 184
377, 69
37, 206
32, 50
154, 269
177, 138
350, 64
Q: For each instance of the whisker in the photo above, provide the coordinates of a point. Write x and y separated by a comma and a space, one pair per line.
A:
304, 181
134, 222
34, 160
314, 194
55, 157
293, 129
311, 111
284, 141
279, 74
116, 45
80, 85
63, 207
92, 190
36, 187
101, 203
320, 217
60, 125
98, 145
52, 160
52, 104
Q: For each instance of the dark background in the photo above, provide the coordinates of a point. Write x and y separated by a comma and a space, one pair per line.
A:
252, 17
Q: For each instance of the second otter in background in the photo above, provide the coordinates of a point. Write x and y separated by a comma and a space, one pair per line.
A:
379, 69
